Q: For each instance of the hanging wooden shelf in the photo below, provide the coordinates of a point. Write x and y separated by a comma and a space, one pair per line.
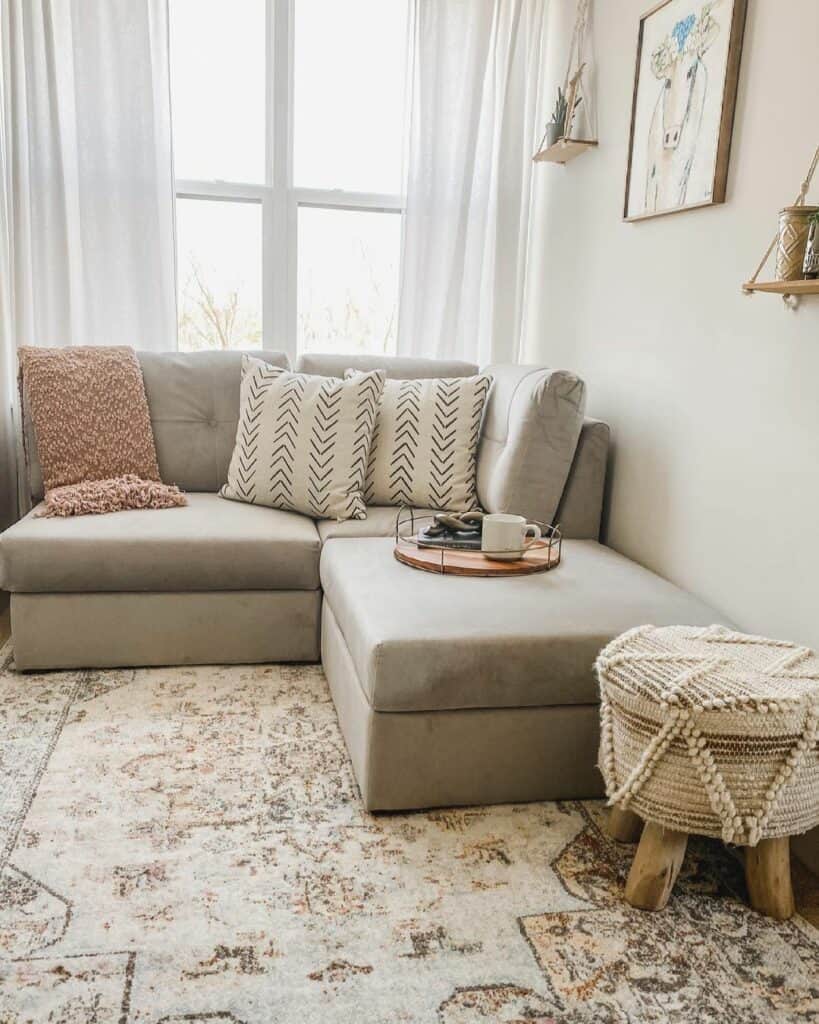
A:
564, 150
572, 93
791, 291
795, 288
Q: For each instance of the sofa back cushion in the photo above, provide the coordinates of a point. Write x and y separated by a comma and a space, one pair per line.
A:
531, 425
533, 420
193, 399
395, 367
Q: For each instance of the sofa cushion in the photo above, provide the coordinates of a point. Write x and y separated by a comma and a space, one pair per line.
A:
533, 420
380, 522
193, 399
423, 642
211, 544
194, 403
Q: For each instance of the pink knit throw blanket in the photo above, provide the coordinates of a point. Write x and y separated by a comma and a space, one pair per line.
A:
94, 437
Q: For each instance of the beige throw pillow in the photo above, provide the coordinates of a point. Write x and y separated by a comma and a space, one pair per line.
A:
425, 444
302, 442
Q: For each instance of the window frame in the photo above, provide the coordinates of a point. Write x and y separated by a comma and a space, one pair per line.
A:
279, 199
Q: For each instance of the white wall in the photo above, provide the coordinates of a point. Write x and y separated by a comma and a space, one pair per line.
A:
713, 396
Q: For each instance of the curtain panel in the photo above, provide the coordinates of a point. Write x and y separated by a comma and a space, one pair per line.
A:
87, 191
475, 90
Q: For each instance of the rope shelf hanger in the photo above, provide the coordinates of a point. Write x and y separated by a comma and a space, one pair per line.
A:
573, 86
789, 290
571, 82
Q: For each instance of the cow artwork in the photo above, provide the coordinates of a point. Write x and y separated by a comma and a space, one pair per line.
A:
675, 126
687, 68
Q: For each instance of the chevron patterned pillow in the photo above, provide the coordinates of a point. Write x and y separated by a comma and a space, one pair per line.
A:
425, 445
302, 441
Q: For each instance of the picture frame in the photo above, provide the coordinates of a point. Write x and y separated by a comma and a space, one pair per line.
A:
682, 115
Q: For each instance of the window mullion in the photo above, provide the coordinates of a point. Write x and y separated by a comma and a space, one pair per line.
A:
378, 202
279, 210
229, 191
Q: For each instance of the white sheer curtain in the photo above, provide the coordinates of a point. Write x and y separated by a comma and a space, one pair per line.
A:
474, 120
8, 445
87, 200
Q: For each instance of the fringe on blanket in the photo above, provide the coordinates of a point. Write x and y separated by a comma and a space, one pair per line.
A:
93, 497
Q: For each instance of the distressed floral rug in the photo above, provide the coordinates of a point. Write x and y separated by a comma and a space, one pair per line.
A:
187, 845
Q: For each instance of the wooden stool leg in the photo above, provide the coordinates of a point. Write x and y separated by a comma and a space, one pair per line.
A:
768, 874
624, 826
656, 866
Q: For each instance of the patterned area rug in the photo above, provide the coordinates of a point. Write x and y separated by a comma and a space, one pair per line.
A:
187, 845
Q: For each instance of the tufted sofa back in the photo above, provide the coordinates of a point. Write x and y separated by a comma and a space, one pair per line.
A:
395, 367
193, 398
537, 455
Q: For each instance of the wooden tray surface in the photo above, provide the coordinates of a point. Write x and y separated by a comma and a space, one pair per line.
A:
538, 558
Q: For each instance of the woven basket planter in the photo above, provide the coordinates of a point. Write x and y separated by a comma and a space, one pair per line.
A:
711, 731
794, 225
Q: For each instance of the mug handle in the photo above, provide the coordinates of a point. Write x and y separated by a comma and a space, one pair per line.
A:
531, 530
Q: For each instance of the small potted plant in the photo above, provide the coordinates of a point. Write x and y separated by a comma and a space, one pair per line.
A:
556, 127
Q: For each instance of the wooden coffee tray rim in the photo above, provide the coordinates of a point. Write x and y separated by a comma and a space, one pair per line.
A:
461, 562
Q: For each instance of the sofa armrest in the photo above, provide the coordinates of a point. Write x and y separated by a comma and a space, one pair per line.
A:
581, 506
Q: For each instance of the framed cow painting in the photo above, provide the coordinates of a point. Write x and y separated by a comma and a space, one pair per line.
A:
685, 88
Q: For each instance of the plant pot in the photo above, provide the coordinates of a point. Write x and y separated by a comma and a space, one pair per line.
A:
553, 133
793, 239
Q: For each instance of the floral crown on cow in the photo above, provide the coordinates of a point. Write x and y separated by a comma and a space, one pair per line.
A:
690, 37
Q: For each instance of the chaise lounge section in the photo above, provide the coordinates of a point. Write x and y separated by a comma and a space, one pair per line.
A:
453, 690
448, 690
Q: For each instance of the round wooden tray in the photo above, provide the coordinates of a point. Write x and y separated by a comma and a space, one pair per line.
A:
540, 557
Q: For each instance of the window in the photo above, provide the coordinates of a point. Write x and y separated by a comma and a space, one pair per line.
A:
353, 309
288, 130
219, 266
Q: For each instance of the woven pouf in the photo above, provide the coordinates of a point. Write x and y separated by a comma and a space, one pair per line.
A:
711, 731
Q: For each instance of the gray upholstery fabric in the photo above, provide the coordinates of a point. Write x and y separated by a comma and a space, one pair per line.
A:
194, 402
424, 642
452, 758
581, 506
533, 420
396, 367
211, 544
380, 522
106, 630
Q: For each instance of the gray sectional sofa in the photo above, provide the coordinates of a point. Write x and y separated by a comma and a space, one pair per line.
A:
448, 690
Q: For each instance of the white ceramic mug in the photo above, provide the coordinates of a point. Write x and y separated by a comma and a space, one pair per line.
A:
505, 536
